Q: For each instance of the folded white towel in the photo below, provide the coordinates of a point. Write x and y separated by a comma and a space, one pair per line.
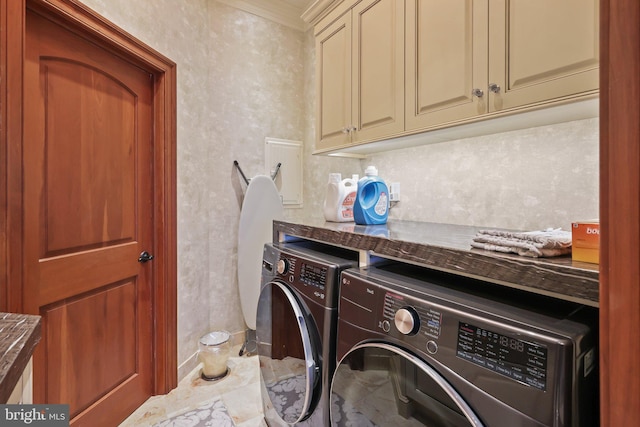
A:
545, 243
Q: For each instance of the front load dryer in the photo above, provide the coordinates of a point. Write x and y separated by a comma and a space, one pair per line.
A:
295, 332
418, 347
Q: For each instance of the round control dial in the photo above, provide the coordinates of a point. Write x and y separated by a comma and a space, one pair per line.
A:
283, 266
407, 321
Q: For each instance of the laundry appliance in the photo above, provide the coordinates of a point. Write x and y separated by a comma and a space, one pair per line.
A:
420, 347
295, 332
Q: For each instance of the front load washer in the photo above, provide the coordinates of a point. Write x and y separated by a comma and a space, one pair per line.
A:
295, 333
419, 347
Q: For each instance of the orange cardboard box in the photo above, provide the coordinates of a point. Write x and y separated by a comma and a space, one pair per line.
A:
585, 241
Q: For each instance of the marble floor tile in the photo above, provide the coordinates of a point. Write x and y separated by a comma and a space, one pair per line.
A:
239, 390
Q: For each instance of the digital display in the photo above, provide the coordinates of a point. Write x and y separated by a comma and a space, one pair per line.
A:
313, 275
514, 358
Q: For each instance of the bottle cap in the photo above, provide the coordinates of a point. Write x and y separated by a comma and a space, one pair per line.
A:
371, 171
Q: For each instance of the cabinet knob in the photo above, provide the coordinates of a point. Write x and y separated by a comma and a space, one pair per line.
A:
477, 92
345, 130
494, 87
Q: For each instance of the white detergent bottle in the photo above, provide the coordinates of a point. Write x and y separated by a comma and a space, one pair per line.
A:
341, 194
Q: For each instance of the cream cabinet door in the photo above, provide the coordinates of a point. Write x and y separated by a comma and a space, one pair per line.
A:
542, 50
360, 75
377, 70
446, 60
333, 77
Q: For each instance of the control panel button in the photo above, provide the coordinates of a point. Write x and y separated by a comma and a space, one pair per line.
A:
283, 266
432, 347
407, 321
386, 326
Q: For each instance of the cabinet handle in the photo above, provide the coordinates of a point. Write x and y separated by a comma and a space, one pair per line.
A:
477, 92
494, 87
349, 129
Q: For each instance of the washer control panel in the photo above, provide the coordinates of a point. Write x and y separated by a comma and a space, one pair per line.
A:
311, 272
309, 277
413, 318
391, 313
409, 319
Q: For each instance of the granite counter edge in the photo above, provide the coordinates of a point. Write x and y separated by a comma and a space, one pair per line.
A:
14, 362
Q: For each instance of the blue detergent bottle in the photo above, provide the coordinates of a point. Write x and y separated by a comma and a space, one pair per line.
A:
372, 199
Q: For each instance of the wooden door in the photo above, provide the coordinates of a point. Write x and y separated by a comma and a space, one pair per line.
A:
333, 76
88, 214
542, 50
620, 214
446, 59
377, 88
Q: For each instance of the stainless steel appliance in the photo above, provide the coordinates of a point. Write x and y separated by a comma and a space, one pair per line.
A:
418, 347
295, 333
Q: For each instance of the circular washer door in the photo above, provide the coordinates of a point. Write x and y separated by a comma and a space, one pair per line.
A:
288, 344
378, 384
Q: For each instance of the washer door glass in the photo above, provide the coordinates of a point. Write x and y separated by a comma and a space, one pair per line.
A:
287, 349
378, 384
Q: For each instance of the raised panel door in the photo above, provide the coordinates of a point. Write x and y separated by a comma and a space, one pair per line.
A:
446, 59
378, 69
542, 50
88, 214
333, 74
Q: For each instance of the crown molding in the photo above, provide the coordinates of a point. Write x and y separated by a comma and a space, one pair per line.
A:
275, 10
318, 10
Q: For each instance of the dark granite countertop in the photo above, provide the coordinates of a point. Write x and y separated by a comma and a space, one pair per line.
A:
447, 247
19, 334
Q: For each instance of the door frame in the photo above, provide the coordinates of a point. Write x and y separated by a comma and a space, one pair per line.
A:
83, 21
619, 212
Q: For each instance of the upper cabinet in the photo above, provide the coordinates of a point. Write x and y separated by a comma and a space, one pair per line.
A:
542, 51
360, 74
391, 68
447, 58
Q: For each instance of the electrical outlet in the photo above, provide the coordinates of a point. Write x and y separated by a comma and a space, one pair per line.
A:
394, 192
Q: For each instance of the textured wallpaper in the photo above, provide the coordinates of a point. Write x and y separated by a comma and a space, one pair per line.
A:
242, 78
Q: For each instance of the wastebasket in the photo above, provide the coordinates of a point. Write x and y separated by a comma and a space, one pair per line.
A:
213, 352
